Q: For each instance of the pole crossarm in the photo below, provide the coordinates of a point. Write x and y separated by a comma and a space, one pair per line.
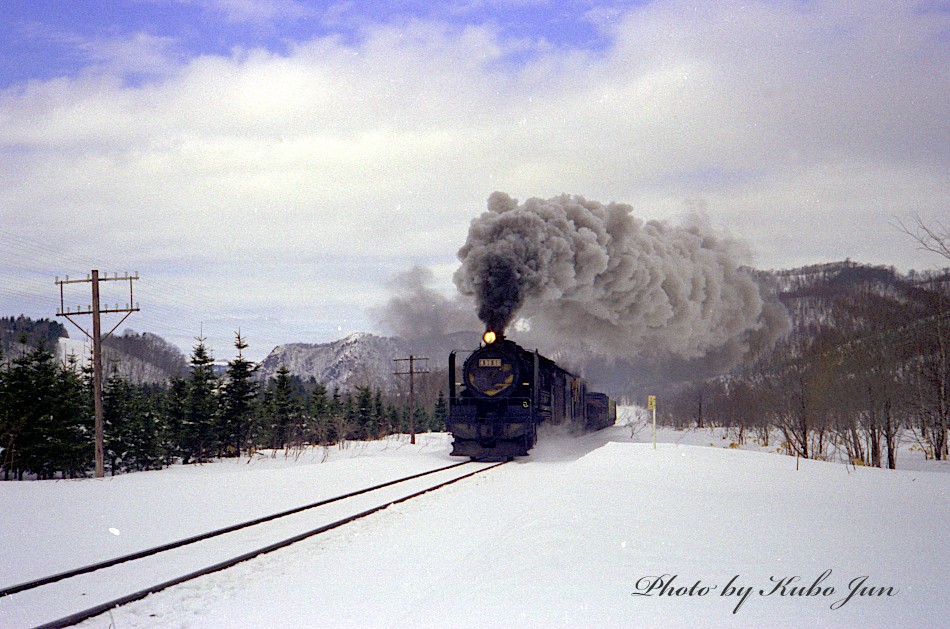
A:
105, 310
96, 310
411, 373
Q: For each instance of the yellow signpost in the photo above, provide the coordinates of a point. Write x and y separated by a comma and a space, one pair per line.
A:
651, 406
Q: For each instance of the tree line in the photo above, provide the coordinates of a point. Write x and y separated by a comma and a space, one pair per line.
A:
23, 331
47, 417
874, 365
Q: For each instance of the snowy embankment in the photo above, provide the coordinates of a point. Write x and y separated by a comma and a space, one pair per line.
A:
568, 537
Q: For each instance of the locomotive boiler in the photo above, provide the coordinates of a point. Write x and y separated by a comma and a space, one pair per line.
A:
506, 392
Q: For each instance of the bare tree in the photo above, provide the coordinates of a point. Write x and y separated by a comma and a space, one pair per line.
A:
934, 238
932, 385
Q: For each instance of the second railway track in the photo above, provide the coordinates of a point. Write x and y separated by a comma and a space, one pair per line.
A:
70, 597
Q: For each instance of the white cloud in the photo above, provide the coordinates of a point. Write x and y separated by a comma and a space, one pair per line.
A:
818, 118
137, 54
255, 11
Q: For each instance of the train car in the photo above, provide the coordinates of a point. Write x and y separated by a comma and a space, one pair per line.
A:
601, 411
506, 392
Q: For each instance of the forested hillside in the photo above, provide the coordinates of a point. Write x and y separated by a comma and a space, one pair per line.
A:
143, 358
868, 357
20, 333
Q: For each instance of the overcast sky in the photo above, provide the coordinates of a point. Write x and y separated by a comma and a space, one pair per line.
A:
272, 165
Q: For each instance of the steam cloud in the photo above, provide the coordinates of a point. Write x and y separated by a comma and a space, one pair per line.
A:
578, 269
417, 311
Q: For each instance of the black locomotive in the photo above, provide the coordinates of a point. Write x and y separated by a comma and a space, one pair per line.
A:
507, 391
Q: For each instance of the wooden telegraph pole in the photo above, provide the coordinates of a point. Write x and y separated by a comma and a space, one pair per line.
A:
96, 310
412, 390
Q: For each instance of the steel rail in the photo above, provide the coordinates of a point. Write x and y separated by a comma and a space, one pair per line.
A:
78, 617
29, 585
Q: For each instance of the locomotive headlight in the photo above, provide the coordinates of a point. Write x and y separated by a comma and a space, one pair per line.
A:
489, 337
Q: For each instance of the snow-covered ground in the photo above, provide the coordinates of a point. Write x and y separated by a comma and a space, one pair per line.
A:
574, 536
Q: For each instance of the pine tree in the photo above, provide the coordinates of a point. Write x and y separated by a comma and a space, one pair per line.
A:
47, 418
351, 416
379, 415
422, 420
320, 425
363, 413
199, 440
285, 412
133, 427
74, 419
440, 414
118, 415
238, 403
6, 421
393, 419
174, 411
148, 452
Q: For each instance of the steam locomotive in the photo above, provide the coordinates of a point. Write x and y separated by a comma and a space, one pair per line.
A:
506, 392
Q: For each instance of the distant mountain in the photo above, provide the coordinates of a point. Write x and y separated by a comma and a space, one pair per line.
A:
363, 359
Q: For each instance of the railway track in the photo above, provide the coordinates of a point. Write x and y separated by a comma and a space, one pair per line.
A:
70, 597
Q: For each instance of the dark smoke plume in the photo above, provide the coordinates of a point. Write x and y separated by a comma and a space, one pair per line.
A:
581, 270
417, 311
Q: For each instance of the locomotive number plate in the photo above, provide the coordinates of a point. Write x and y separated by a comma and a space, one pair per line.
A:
489, 362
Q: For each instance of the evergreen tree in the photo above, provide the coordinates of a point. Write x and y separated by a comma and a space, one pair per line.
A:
149, 451
118, 413
6, 421
320, 425
174, 410
422, 420
350, 414
365, 419
133, 427
47, 418
74, 418
379, 415
238, 403
441, 413
284, 410
199, 434
394, 419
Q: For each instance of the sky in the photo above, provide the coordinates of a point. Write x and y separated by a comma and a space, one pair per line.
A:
274, 166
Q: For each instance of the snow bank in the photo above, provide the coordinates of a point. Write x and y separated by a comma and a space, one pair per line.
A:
575, 536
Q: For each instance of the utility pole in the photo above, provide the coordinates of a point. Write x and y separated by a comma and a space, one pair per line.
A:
412, 390
96, 310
